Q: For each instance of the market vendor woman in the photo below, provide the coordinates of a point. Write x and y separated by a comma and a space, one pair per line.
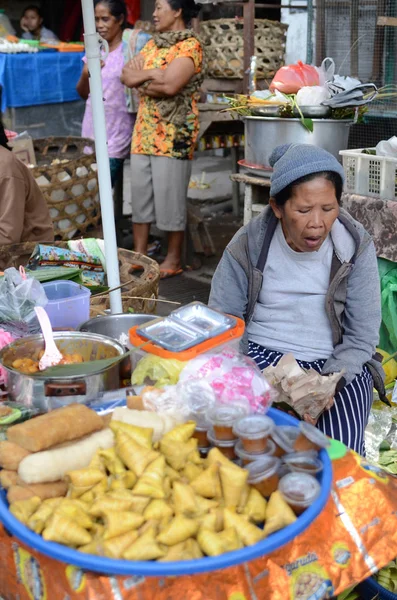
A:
303, 275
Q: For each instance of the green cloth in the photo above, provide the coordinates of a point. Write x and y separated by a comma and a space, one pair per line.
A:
388, 282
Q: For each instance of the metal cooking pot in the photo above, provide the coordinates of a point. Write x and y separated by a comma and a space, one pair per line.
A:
263, 134
116, 326
46, 393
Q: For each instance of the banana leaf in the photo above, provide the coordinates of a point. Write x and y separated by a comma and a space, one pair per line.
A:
45, 274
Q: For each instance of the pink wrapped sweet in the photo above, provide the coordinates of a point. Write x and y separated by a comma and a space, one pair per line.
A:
5, 339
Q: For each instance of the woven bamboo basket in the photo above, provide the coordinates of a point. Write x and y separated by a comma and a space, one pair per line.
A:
67, 176
225, 47
139, 290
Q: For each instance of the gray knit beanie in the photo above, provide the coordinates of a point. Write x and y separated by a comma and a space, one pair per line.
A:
293, 161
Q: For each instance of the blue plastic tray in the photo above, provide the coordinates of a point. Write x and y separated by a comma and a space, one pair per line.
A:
188, 567
370, 589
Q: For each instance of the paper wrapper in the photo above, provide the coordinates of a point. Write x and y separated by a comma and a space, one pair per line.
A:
355, 535
306, 392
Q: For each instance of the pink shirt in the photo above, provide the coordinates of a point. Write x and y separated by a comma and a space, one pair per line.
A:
119, 122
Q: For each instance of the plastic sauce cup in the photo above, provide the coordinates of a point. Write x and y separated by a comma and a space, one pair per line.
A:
223, 419
225, 446
247, 457
299, 490
254, 432
303, 462
310, 438
201, 435
263, 475
284, 437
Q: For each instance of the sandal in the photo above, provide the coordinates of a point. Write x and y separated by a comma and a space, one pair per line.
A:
167, 273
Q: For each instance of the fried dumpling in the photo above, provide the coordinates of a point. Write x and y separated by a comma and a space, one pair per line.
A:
181, 433
141, 435
95, 548
151, 482
64, 530
233, 481
278, 514
119, 522
231, 539
184, 500
39, 518
116, 546
157, 509
24, 509
211, 543
109, 503
180, 529
177, 454
255, 508
192, 471
207, 484
133, 455
144, 548
174, 553
112, 462
248, 533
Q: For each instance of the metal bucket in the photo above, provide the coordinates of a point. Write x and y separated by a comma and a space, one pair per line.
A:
116, 326
263, 134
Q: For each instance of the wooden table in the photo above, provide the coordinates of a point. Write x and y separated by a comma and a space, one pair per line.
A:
256, 195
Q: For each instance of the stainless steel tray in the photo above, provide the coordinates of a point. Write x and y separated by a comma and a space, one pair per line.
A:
204, 319
172, 334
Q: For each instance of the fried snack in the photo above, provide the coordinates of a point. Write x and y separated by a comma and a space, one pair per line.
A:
233, 481
141, 435
181, 433
24, 509
22, 491
157, 509
255, 509
119, 522
180, 529
8, 478
56, 427
247, 532
112, 462
145, 548
184, 500
133, 455
151, 482
11, 455
115, 547
64, 530
207, 484
278, 514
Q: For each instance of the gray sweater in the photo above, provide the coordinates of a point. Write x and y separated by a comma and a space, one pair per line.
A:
352, 302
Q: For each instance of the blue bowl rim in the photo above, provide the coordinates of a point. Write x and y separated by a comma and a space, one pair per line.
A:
190, 567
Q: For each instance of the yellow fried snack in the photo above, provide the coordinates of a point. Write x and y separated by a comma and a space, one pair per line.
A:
95, 547
174, 553
85, 478
177, 454
40, 517
216, 457
133, 455
139, 504
211, 543
209, 521
192, 549
97, 530
157, 509
123, 482
120, 522
207, 484
181, 433
180, 529
247, 532
145, 548
106, 503
231, 539
97, 462
192, 471
141, 435
115, 547
64, 530
184, 500
233, 481
255, 508
204, 505
76, 514
24, 509
113, 464
151, 482
172, 474
278, 514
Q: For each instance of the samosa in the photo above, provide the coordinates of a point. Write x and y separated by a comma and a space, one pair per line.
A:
233, 481
157, 509
75, 513
207, 484
174, 553
192, 550
181, 433
151, 482
231, 539
192, 471
106, 503
177, 454
120, 522
139, 504
97, 462
64, 530
116, 546
144, 548
278, 514
24, 509
184, 500
40, 517
94, 548
211, 543
255, 508
141, 435
133, 455
112, 462
85, 478
180, 529
247, 532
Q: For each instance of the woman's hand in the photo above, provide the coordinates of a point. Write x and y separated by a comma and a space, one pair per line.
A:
137, 63
133, 77
23, 25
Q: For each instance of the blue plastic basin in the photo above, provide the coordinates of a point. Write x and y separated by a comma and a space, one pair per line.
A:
188, 567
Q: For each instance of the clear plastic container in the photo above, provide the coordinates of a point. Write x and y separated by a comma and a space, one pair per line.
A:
310, 438
254, 432
223, 418
303, 462
284, 438
247, 457
227, 447
263, 475
299, 490
68, 303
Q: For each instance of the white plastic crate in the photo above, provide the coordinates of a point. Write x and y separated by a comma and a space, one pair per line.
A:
369, 175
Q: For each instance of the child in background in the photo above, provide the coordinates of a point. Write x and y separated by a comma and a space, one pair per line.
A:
33, 28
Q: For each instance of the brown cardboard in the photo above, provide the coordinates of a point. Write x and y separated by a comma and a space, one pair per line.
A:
24, 150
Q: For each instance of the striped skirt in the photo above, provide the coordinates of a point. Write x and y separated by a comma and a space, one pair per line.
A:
347, 419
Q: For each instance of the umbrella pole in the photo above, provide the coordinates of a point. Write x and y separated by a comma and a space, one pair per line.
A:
105, 187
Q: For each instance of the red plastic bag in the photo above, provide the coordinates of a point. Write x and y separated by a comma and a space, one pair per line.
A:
291, 78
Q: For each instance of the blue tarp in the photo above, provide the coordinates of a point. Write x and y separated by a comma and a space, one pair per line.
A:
42, 78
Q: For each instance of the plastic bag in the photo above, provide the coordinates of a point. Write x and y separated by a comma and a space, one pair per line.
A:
312, 96
19, 295
388, 282
291, 78
387, 147
233, 377
157, 371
